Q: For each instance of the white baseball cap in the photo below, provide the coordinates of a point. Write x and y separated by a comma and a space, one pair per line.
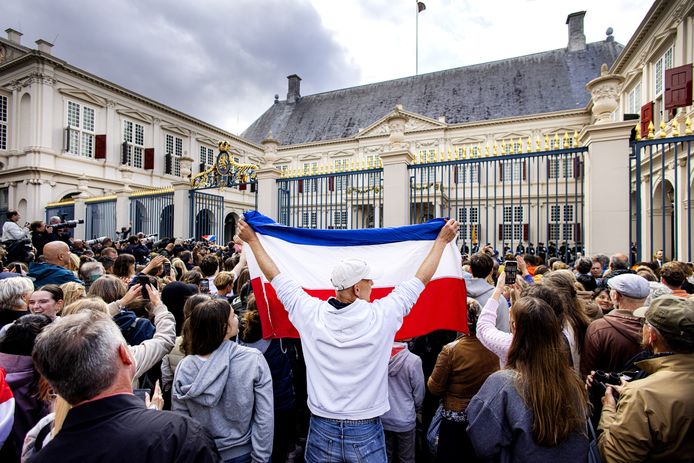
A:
349, 272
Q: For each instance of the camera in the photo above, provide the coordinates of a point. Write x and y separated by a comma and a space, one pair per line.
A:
67, 224
149, 239
98, 240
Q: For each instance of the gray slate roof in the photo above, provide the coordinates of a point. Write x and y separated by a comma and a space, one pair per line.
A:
543, 82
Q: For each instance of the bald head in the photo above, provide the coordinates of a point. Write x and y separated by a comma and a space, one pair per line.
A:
57, 253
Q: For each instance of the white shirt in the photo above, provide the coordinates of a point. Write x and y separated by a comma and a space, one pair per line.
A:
12, 231
347, 350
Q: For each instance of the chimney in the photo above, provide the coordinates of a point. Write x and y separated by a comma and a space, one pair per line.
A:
44, 46
14, 36
577, 39
293, 94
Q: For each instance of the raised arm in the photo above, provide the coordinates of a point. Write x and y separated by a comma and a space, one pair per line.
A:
265, 262
431, 261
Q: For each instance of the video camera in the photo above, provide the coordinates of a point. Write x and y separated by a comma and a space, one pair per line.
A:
67, 224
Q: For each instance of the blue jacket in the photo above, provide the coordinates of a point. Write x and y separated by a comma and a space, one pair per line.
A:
49, 274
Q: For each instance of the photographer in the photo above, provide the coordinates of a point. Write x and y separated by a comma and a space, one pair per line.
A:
137, 249
62, 232
651, 420
11, 230
41, 235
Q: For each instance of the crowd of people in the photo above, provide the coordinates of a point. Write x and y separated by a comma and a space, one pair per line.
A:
153, 350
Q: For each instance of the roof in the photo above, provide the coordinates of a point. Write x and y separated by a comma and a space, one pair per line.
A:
533, 84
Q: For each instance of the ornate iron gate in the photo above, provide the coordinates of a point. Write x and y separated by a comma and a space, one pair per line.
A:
100, 219
152, 213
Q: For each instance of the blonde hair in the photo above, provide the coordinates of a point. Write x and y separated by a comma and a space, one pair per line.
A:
74, 264
72, 291
223, 279
92, 304
60, 408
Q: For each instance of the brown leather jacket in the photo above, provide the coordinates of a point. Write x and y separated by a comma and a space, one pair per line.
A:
461, 369
611, 342
654, 419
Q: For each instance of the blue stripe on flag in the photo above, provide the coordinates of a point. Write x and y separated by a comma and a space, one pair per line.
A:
368, 236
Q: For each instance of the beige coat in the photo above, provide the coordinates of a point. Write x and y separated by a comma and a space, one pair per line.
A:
654, 420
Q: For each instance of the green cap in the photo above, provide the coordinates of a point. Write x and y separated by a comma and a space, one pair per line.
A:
672, 316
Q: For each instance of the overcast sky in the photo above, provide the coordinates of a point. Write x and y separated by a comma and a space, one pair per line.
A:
224, 60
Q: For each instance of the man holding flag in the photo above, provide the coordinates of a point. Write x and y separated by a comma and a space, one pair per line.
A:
347, 342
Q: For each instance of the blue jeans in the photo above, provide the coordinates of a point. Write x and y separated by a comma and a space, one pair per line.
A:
343, 441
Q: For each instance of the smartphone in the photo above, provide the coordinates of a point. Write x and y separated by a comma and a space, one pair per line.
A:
167, 268
140, 394
205, 286
143, 280
17, 268
511, 270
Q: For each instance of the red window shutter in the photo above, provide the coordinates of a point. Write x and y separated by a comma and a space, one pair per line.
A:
331, 183
149, 158
578, 165
100, 147
501, 231
678, 87
242, 186
526, 231
577, 232
455, 174
525, 170
301, 186
646, 117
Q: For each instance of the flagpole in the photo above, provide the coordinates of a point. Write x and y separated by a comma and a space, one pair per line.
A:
416, 40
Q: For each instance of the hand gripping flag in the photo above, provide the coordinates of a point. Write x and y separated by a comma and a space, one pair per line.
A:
308, 256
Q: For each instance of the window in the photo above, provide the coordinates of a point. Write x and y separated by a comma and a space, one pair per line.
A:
513, 223
511, 148
562, 226
427, 156
373, 161
174, 148
469, 223
467, 173
340, 180
561, 168
665, 62
80, 129
340, 220
207, 156
309, 219
3, 122
472, 151
310, 184
633, 105
134, 138
511, 170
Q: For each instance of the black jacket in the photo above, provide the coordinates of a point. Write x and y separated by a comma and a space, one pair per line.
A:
40, 239
138, 250
120, 429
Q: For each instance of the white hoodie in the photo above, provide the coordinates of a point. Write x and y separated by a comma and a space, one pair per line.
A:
347, 350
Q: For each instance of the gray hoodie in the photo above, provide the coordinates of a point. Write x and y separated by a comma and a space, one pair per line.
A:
405, 390
230, 394
481, 291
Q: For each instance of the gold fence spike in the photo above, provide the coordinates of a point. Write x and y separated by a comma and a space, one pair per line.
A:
442, 157
496, 150
520, 145
638, 132
529, 145
651, 130
688, 126
546, 142
565, 143
675, 128
662, 133
557, 145
464, 153
478, 154
538, 143
449, 154
575, 139
486, 151
380, 163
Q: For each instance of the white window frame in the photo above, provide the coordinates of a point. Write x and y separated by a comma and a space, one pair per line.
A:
515, 167
310, 184
469, 218
561, 168
313, 216
562, 222
81, 127
4, 121
341, 165
468, 174
206, 156
134, 137
513, 216
340, 219
633, 103
173, 145
659, 67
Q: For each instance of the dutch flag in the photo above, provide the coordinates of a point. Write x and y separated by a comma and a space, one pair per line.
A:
210, 238
308, 256
6, 408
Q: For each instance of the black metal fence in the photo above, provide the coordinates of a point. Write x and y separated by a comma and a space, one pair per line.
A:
152, 213
517, 202
661, 208
335, 200
207, 214
100, 218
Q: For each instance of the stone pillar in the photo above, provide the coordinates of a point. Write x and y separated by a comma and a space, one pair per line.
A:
123, 208
181, 204
396, 186
607, 187
80, 214
266, 176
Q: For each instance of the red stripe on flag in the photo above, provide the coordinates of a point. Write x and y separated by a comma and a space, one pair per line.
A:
441, 306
